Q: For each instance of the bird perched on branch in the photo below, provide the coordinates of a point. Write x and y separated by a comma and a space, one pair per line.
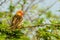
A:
17, 19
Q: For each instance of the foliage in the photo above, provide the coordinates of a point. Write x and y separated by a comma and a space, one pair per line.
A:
33, 26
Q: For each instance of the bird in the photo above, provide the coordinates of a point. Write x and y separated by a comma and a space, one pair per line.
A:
17, 19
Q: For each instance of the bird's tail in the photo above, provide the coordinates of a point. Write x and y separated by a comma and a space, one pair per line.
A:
12, 28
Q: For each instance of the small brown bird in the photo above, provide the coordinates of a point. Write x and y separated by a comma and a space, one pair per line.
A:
17, 19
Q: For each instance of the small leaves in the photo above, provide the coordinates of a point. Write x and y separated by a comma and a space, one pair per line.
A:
3, 14
24, 1
34, 7
26, 23
55, 21
48, 14
11, 8
45, 34
38, 21
36, 27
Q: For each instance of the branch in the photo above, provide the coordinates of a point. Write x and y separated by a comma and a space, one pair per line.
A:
21, 4
24, 1
51, 5
2, 2
17, 3
29, 6
41, 25
32, 4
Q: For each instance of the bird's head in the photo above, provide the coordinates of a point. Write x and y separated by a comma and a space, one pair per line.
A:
20, 13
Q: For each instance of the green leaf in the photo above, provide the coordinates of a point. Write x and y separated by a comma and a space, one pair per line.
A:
38, 21
48, 14
26, 23
24, 38
24, 1
11, 8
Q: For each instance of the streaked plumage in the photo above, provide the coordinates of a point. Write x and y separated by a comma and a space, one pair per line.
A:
16, 20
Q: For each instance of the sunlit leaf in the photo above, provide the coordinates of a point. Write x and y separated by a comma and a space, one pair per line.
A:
48, 14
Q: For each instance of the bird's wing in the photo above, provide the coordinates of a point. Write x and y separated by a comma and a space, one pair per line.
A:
16, 20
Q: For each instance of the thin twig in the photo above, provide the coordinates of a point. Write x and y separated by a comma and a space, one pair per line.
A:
29, 5
32, 4
17, 3
51, 6
41, 25
23, 5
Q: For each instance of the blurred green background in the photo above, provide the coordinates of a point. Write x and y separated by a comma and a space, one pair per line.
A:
41, 19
